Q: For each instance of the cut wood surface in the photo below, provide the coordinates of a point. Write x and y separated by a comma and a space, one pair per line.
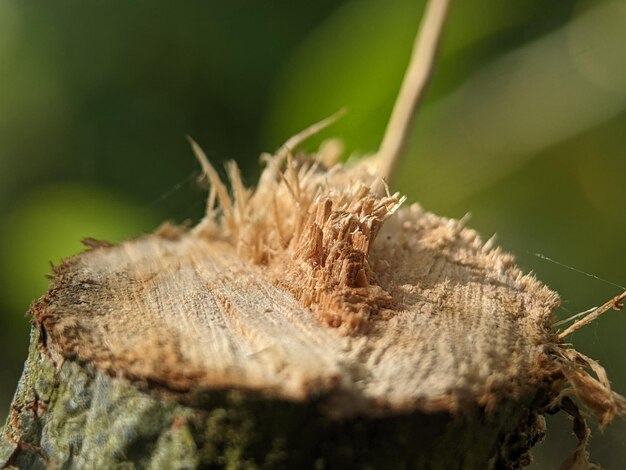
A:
414, 314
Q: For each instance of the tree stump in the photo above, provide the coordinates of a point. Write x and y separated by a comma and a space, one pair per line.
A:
310, 323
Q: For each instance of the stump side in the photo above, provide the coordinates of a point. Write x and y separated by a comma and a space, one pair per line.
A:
76, 416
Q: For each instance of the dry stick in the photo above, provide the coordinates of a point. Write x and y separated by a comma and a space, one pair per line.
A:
310, 131
617, 303
574, 317
413, 87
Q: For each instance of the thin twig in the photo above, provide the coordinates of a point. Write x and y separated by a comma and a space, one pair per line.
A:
413, 86
574, 317
303, 135
616, 303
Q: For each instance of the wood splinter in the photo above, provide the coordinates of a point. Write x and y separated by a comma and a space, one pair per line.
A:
616, 303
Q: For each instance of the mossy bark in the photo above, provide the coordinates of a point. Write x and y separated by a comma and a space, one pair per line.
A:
75, 416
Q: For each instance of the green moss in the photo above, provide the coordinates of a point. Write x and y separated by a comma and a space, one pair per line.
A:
176, 447
21, 435
80, 417
7, 448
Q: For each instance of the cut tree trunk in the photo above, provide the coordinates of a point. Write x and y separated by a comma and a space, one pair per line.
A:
311, 323
77, 416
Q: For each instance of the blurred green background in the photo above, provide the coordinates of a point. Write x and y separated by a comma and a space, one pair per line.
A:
524, 126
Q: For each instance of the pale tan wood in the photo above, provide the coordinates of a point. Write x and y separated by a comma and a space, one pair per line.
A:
187, 312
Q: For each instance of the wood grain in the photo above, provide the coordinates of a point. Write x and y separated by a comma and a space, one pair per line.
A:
206, 308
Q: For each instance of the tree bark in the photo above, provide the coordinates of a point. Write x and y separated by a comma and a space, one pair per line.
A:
311, 323
80, 417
